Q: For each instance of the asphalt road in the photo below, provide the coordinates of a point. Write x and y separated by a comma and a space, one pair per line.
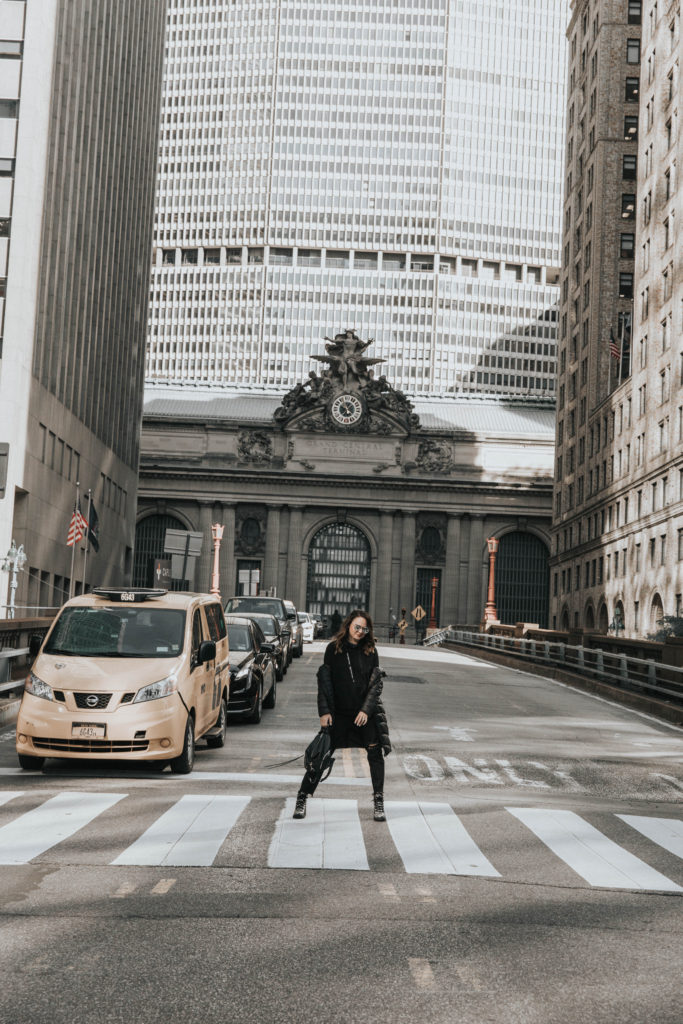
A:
530, 870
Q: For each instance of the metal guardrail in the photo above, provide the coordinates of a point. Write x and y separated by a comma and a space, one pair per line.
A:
634, 674
6, 683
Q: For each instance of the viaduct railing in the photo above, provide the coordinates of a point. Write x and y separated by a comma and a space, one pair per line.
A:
638, 675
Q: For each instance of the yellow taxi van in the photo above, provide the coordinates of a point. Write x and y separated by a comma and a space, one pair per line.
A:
136, 674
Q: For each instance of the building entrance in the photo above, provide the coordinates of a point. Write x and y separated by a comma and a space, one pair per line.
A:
338, 572
522, 579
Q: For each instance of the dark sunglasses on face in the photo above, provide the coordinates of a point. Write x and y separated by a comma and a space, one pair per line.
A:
361, 629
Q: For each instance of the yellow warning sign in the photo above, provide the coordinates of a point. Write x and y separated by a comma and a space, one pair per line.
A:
418, 613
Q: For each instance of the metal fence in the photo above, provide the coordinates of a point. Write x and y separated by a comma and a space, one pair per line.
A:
665, 682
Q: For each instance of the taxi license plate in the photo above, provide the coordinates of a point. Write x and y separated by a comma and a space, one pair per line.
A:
87, 730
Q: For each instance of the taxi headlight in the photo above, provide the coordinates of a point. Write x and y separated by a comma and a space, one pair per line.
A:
153, 691
38, 688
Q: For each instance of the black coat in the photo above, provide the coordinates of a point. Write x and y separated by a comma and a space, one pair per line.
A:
348, 692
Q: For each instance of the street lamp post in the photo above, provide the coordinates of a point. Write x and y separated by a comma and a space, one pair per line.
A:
432, 607
490, 613
14, 562
217, 534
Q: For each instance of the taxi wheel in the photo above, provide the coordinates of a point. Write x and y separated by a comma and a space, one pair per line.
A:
222, 723
182, 765
255, 716
28, 762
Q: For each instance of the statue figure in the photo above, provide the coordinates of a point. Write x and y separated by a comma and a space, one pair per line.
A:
345, 357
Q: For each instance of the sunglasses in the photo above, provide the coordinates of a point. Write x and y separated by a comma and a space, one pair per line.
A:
361, 629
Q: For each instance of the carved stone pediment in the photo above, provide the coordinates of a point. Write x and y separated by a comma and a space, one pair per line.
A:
434, 456
255, 446
347, 397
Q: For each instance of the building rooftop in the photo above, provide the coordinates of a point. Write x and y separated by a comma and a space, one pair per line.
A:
443, 413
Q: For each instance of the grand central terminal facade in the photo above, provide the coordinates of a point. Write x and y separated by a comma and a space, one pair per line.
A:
344, 493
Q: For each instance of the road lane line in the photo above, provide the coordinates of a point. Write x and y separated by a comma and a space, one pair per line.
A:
9, 794
349, 771
665, 832
163, 886
189, 834
123, 890
589, 853
422, 972
54, 821
330, 836
431, 840
388, 891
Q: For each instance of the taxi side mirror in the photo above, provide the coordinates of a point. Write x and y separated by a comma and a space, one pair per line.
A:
207, 651
35, 642
268, 648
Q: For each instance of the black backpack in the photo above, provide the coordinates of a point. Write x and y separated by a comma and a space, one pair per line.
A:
318, 757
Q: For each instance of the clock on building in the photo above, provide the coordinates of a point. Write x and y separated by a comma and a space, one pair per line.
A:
346, 410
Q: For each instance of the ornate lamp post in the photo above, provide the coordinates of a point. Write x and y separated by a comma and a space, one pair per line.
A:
217, 534
432, 607
14, 562
490, 613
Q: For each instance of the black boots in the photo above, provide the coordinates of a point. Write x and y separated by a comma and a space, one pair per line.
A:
300, 806
379, 814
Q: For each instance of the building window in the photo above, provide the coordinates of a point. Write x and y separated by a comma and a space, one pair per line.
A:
632, 90
627, 246
629, 167
626, 285
628, 206
168, 257
212, 256
631, 128
680, 558
635, 12
633, 51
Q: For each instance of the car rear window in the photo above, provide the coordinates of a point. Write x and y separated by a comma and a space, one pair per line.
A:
245, 605
267, 623
239, 638
118, 632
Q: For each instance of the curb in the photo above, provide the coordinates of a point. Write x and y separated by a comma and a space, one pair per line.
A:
9, 710
657, 708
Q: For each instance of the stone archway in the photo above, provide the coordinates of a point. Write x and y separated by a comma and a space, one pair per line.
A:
339, 561
589, 618
564, 620
522, 579
656, 613
603, 619
149, 546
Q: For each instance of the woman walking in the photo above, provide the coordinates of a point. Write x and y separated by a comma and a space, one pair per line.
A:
349, 704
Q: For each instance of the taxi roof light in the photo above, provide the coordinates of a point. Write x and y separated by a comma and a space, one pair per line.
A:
129, 595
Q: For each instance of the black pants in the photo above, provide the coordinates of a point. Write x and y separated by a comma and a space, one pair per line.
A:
310, 781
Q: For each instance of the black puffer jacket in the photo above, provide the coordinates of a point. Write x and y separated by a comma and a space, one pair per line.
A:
348, 691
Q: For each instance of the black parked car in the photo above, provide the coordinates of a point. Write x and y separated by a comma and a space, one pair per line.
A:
273, 634
269, 606
252, 669
297, 631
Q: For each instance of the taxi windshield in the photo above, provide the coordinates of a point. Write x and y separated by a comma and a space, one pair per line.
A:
245, 605
118, 632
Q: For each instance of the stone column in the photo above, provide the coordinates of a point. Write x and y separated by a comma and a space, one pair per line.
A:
270, 562
406, 594
294, 555
202, 576
383, 587
450, 611
475, 606
226, 514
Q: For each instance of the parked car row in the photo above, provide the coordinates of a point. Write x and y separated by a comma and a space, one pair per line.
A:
141, 674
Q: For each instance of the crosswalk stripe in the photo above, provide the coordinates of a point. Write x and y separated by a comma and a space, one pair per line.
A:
431, 840
6, 795
666, 832
189, 834
57, 819
589, 853
330, 836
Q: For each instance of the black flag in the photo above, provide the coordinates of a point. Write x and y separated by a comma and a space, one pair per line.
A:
94, 527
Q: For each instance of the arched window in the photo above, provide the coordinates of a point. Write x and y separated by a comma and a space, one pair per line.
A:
149, 547
522, 579
589, 618
603, 619
656, 613
338, 571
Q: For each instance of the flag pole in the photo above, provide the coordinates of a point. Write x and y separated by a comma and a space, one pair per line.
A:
621, 347
87, 538
73, 549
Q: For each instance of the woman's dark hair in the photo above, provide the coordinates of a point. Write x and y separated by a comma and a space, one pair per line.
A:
343, 634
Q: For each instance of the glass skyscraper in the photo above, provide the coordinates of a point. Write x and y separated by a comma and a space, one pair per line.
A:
390, 166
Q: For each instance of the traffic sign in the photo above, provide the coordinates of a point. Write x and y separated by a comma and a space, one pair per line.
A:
418, 613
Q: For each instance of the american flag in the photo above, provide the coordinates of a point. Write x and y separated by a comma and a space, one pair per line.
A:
613, 347
77, 526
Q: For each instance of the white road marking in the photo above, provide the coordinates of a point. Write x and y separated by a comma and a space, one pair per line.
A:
9, 794
190, 833
422, 972
420, 766
666, 832
54, 821
461, 735
460, 769
163, 886
589, 853
517, 780
668, 778
329, 836
431, 840
388, 891
262, 777
124, 890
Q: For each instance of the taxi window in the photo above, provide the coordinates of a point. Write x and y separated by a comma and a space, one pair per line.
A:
117, 632
197, 636
215, 621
